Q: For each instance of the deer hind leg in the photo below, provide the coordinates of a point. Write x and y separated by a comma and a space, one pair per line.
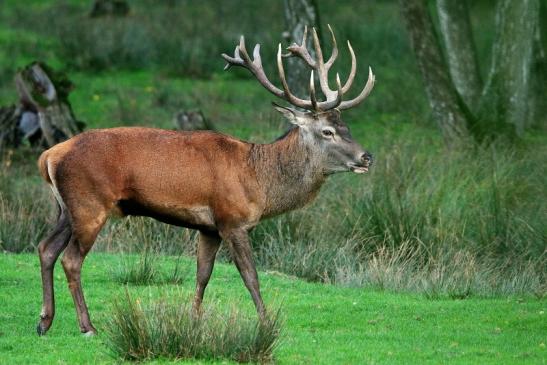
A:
49, 250
208, 246
86, 227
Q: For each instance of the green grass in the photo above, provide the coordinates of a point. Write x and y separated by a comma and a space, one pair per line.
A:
324, 324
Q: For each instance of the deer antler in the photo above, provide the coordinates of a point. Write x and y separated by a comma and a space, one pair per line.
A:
334, 97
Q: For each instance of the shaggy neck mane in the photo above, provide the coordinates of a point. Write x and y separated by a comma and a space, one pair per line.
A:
288, 170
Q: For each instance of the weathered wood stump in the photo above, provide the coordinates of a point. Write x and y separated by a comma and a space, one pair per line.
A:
43, 116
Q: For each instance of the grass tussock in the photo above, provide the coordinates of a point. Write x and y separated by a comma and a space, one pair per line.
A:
454, 274
147, 269
169, 329
26, 211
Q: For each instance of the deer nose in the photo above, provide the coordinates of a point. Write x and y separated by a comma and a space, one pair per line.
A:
366, 158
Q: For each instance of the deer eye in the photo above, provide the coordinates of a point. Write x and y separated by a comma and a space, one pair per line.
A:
328, 132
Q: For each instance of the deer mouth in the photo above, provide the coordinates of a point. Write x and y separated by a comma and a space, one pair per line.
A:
359, 169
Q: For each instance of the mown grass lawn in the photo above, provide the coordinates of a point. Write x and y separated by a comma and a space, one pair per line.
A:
323, 324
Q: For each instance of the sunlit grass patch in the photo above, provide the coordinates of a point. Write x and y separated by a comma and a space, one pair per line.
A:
168, 328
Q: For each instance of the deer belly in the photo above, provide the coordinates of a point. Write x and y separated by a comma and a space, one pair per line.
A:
196, 216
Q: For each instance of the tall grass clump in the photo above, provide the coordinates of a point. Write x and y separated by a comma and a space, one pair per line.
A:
449, 273
168, 328
142, 272
289, 245
139, 234
148, 268
443, 223
481, 198
26, 213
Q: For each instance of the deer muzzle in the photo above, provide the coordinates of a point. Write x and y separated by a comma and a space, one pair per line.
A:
365, 161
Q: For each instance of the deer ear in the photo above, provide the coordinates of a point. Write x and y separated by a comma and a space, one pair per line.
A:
293, 116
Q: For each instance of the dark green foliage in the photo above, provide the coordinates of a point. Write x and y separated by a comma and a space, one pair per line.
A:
168, 328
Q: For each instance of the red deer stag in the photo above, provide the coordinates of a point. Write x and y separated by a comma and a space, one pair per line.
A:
202, 180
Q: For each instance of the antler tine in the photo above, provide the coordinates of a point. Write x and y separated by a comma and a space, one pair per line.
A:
351, 76
312, 92
331, 104
286, 92
246, 59
257, 60
322, 72
366, 91
241, 58
236, 60
301, 50
339, 92
334, 53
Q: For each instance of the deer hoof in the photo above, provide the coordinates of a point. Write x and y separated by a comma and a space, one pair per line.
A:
90, 333
41, 329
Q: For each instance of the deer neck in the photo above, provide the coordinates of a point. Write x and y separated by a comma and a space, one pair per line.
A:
289, 172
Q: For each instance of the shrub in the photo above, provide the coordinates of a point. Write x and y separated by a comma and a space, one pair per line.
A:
167, 328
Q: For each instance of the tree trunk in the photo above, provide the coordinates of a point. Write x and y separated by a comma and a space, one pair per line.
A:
460, 49
504, 104
537, 100
298, 15
449, 110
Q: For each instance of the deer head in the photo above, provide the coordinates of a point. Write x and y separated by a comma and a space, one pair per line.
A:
319, 121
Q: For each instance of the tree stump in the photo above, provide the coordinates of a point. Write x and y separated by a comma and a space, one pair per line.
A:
43, 116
